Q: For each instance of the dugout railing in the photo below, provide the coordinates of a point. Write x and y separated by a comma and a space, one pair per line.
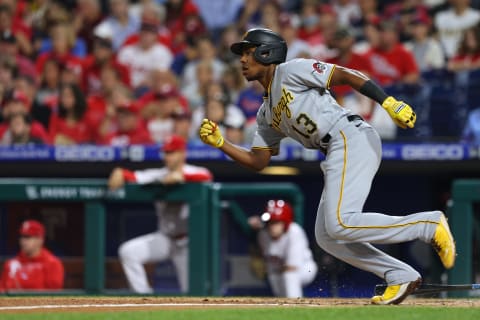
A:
204, 200
464, 225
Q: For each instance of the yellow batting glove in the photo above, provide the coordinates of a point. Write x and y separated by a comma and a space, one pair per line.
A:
210, 134
400, 112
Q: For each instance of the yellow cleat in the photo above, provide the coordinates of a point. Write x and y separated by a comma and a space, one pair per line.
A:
443, 243
395, 294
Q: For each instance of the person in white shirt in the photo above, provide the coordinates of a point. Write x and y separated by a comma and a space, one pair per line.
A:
170, 241
451, 24
145, 56
285, 249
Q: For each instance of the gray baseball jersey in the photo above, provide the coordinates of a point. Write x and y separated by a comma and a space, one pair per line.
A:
298, 105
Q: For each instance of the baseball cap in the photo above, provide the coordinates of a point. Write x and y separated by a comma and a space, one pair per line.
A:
174, 143
32, 228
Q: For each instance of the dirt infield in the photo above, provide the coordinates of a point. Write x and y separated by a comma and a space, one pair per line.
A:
56, 304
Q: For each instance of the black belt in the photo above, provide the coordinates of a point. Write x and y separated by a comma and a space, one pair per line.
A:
350, 118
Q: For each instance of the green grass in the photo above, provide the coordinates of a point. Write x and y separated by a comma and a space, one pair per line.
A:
265, 313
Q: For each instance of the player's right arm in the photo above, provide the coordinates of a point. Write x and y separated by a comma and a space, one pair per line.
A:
255, 158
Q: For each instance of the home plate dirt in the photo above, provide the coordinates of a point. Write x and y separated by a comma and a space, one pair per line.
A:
56, 304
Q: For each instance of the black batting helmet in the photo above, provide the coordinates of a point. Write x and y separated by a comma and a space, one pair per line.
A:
271, 47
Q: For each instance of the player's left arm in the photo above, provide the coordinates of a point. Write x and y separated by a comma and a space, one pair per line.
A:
400, 112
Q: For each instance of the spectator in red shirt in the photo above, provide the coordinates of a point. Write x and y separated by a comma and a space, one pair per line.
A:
10, 25
35, 267
63, 39
46, 98
130, 129
101, 113
17, 102
343, 41
9, 47
162, 112
88, 15
183, 20
391, 61
8, 72
467, 57
102, 56
396, 69
68, 125
19, 131
310, 28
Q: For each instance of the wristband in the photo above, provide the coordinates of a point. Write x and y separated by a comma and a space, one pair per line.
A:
373, 91
129, 175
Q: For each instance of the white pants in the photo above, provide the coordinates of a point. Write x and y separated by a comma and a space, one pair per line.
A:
153, 247
289, 284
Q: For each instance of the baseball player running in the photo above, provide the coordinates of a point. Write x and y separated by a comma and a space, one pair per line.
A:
171, 239
298, 104
285, 250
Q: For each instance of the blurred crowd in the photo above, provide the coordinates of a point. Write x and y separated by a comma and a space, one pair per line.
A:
120, 72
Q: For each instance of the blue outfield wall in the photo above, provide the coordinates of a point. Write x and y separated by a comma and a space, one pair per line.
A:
138, 153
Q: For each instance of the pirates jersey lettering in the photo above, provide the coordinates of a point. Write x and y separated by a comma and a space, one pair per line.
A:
282, 107
299, 105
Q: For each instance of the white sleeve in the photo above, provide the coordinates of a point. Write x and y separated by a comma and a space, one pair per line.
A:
304, 74
150, 175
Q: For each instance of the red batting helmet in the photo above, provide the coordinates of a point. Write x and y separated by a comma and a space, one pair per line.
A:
278, 210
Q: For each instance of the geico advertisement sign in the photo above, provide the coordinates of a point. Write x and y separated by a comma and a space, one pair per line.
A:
84, 153
433, 152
